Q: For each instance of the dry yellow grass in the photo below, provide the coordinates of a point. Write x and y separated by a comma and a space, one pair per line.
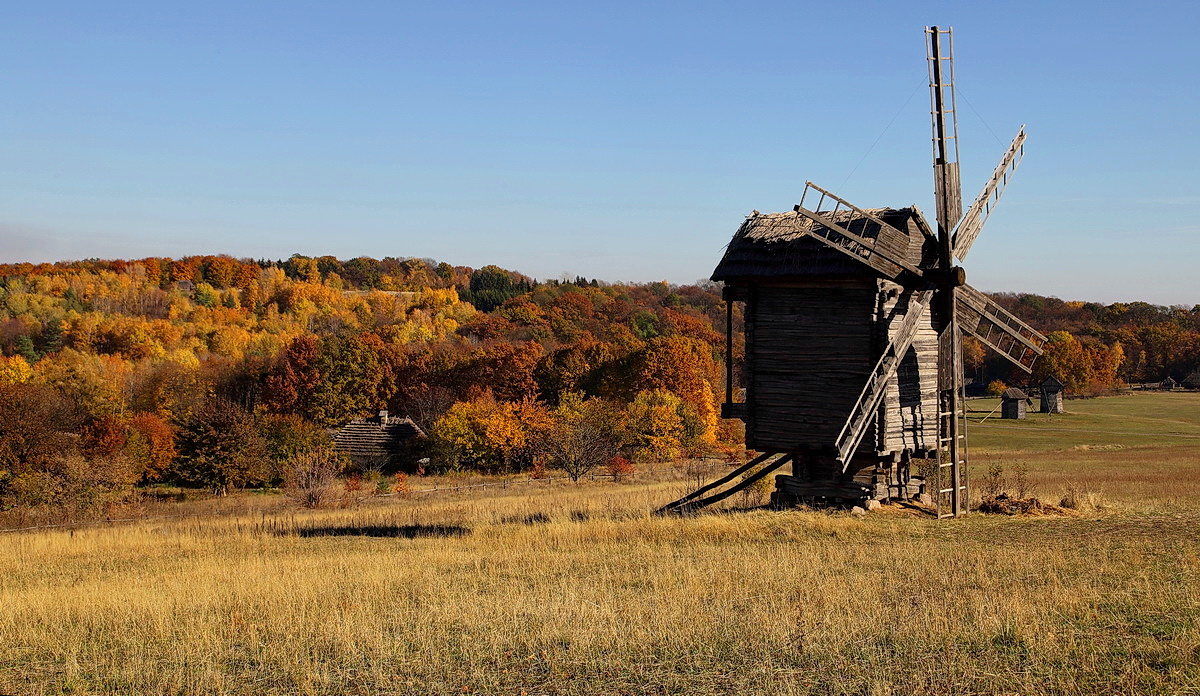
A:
478, 595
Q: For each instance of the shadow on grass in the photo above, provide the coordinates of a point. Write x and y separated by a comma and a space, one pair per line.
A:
535, 518
401, 531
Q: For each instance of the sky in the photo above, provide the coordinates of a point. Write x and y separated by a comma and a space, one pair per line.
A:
621, 141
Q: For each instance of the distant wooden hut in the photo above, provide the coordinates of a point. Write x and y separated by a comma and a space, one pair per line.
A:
1192, 381
1052, 395
1013, 403
380, 441
1169, 383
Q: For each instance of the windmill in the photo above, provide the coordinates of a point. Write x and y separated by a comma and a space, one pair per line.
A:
853, 325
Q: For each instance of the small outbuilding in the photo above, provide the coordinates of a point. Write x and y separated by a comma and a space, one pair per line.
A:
1169, 383
1014, 403
380, 441
1052, 395
1192, 381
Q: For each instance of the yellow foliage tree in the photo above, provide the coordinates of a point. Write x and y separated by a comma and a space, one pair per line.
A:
655, 425
484, 432
15, 370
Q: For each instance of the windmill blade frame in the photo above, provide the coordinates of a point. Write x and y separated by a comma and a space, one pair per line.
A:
972, 223
997, 328
939, 56
883, 252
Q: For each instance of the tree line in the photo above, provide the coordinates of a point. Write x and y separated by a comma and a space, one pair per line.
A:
220, 373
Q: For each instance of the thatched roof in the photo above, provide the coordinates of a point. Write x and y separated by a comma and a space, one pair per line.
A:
776, 245
376, 436
1014, 394
1193, 380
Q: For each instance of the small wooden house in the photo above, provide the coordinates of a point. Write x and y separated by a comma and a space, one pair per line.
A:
1052, 395
1192, 381
1169, 383
380, 441
816, 322
1013, 403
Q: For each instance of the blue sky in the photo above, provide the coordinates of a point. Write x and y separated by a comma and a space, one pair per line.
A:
624, 141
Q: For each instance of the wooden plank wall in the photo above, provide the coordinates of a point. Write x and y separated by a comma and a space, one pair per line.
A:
809, 353
909, 413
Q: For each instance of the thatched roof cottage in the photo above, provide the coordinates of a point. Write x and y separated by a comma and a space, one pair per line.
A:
378, 441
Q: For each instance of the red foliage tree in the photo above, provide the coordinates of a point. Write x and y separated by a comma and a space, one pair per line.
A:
289, 386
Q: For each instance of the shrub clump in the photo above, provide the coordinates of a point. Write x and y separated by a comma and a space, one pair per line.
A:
1002, 504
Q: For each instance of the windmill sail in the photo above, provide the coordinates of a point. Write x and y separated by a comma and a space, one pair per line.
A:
998, 328
972, 223
939, 46
875, 243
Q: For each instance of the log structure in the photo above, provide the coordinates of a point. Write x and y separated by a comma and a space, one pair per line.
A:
853, 324
1052, 395
1014, 403
816, 322
378, 441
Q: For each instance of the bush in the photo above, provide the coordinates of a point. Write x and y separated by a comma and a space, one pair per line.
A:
400, 486
620, 468
310, 477
1081, 499
289, 436
73, 482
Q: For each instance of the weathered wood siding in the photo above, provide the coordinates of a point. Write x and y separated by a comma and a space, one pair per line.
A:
809, 351
908, 416
1052, 402
1013, 409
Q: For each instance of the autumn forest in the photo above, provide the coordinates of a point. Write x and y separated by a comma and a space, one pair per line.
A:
215, 373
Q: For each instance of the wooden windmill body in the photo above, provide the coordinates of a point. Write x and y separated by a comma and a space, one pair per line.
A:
853, 320
816, 323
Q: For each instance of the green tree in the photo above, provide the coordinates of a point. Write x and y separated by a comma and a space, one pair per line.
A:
205, 295
23, 347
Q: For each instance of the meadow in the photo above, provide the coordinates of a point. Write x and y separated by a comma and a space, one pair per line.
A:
557, 588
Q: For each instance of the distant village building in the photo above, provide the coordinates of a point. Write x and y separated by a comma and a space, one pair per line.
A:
1052, 395
1013, 403
380, 441
1192, 381
1170, 383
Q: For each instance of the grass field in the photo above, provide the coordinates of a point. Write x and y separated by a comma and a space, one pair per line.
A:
564, 589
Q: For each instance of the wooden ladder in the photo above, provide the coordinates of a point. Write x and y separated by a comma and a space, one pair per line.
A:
865, 407
950, 483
